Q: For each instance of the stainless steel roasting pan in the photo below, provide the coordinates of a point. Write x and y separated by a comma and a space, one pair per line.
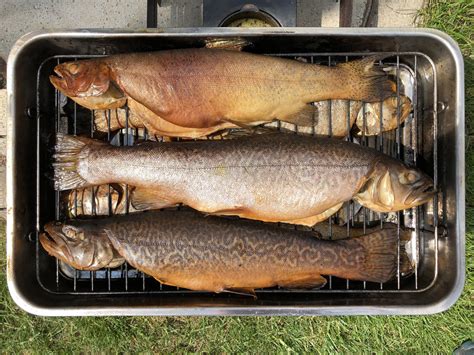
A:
426, 63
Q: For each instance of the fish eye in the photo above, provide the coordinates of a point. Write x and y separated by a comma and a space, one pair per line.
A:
73, 68
80, 235
69, 232
408, 177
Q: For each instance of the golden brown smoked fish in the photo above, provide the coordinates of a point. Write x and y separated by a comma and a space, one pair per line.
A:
215, 254
275, 178
204, 88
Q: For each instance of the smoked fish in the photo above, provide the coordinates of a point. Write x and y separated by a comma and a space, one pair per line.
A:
218, 254
208, 88
269, 177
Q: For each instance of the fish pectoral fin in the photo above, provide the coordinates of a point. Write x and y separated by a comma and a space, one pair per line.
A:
146, 199
234, 44
243, 291
111, 99
307, 282
307, 116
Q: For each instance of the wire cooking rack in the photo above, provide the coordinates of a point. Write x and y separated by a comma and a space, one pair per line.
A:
405, 143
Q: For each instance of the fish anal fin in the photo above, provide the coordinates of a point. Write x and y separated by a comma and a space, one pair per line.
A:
234, 44
147, 199
307, 116
305, 282
243, 291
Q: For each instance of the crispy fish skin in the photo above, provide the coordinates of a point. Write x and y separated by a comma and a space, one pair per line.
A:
201, 88
216, 254
273, 178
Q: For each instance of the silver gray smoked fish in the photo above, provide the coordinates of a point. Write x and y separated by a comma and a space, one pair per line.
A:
274, 178
214, 254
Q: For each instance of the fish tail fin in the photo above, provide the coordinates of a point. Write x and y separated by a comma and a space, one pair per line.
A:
380, 263
368, 82
69, 150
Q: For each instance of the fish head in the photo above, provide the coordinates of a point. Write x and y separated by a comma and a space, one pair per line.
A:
397, 107
80, 245
83, 78
383, 116
393, 186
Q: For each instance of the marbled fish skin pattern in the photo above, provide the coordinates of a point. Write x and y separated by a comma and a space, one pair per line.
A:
273, 178
213, 254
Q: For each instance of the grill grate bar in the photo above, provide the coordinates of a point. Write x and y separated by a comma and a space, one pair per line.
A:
129, 135
398, 139
414, 144
330, 135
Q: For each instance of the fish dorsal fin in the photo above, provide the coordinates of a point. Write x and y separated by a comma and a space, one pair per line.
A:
148, 199
243, 291
234, 44
307, 116
306, 282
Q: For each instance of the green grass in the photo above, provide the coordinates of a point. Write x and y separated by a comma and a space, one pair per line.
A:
439, 333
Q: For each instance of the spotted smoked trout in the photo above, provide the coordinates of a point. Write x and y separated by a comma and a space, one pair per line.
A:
273, 178
215, 254
203, 88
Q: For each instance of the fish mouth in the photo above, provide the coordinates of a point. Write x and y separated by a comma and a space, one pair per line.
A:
55, 244
58, 72
405, 106
422, 193
61, 81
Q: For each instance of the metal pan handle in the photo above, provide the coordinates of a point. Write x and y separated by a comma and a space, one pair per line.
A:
152, 13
